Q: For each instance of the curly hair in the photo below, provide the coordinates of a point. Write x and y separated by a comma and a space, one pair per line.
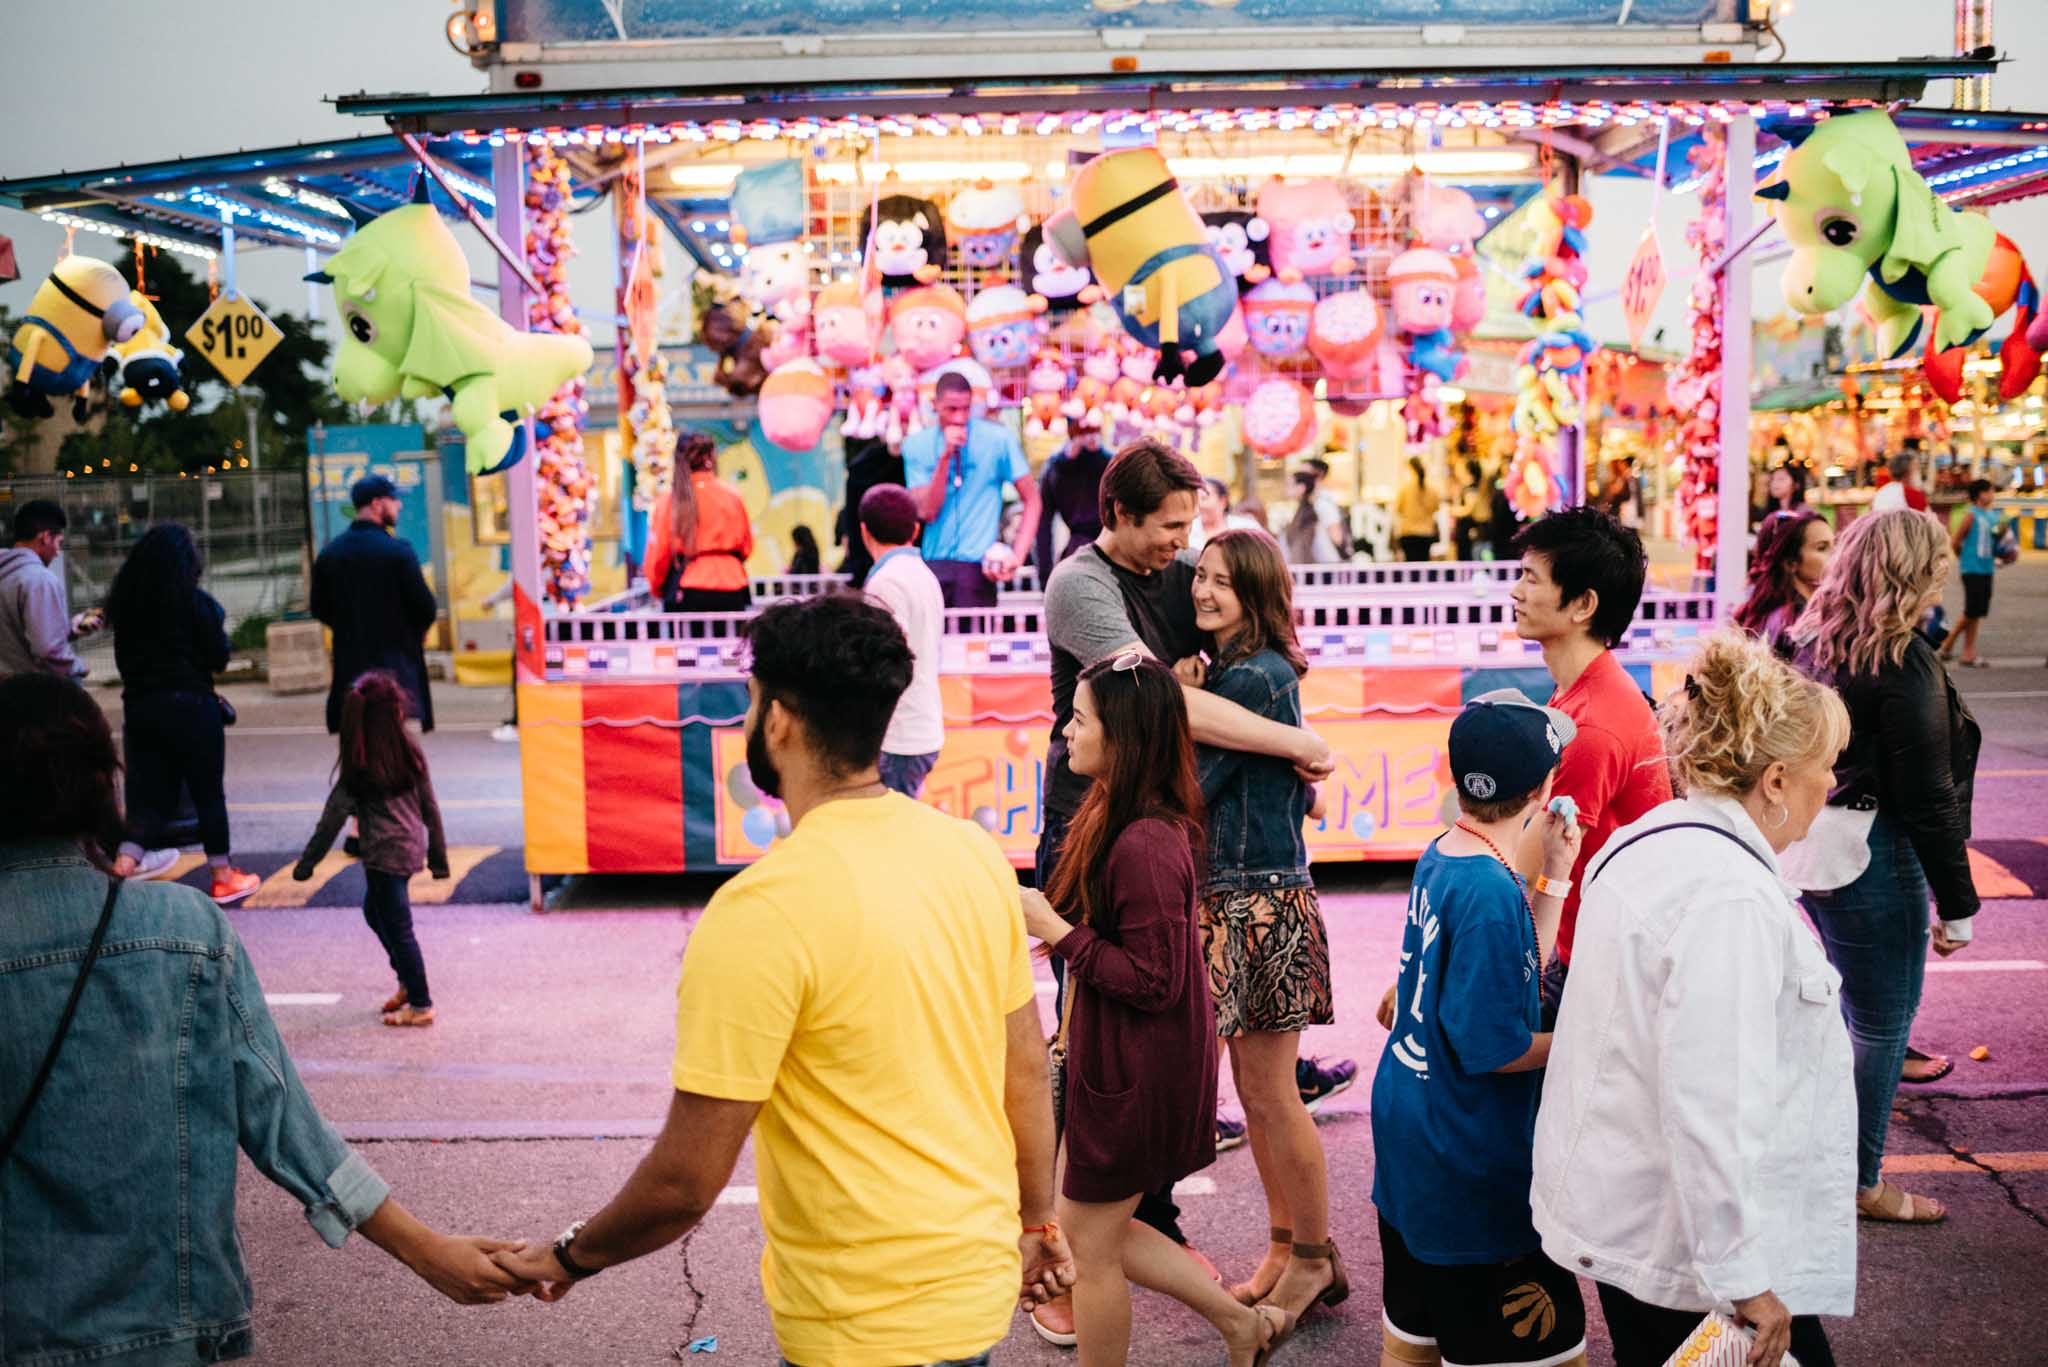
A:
1741, 710
1887, 571
61, 765
839, 663
157, 579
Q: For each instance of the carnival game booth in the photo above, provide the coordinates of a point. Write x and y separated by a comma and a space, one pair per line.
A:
632, 754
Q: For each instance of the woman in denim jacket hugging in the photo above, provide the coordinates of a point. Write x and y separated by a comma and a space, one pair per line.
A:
1268, 953
117, 1165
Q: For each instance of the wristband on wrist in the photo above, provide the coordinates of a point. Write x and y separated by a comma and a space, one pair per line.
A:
1051, 1227
577, 1272
1547, 886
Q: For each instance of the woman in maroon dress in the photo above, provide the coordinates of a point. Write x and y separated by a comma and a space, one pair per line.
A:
1141, 1038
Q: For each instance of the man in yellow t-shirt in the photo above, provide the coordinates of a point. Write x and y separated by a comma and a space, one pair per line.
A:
861, 999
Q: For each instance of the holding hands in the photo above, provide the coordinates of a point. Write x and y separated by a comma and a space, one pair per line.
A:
1048, 1265
538, 1270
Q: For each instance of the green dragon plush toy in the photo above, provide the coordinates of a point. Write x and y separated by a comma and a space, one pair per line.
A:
1859, 216
413, 330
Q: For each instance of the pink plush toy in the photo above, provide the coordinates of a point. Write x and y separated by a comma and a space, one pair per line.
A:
1344, 333
1310, 228
1423, 284
867, 405
928, 324
1279, 417
1276, 314
845, 324
796, 404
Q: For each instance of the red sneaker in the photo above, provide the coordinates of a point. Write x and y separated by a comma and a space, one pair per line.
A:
231, 885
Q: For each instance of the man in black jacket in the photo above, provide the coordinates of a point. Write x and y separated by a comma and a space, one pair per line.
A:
368, 589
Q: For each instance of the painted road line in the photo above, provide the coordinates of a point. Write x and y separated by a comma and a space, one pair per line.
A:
427, 890
1974, 696
279, 890
301, 998
187, 861
1994, 879
1986, 966
1943, 1162
2012, 773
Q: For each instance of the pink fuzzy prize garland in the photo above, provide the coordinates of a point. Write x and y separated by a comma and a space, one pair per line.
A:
563, 484
1695, 384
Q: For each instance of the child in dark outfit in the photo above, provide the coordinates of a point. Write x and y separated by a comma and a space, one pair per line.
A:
384, 785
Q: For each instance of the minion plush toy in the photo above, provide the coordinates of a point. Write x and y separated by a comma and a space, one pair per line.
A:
1130, 224
151, 368
76, 316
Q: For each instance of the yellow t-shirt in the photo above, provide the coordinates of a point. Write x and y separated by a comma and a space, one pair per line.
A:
855, 981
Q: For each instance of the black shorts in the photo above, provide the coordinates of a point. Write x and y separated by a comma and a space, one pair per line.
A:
1526, 1310
1977, 595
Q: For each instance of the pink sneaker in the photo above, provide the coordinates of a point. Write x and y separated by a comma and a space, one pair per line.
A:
1054, 1322
231, 885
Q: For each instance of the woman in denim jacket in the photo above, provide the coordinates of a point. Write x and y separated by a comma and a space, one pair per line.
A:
119, 1238
1268, 954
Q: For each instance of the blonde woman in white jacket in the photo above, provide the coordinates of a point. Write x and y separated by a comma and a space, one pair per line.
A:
1696, 1144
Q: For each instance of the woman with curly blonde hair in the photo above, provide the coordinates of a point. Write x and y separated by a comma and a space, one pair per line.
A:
1693, 1146
1898, 822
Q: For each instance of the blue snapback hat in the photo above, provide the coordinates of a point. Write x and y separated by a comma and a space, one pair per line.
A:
1503, 745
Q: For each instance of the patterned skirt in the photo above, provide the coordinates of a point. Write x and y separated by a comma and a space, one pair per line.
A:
1269, 960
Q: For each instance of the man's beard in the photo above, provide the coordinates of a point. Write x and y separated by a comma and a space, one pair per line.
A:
389, 518
760, 768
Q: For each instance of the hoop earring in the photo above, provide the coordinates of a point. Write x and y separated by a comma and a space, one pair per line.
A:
1784, 815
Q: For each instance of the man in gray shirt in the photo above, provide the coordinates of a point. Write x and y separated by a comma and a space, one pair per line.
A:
35, 629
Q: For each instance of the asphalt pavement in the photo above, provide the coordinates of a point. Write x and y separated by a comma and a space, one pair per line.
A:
529, 1103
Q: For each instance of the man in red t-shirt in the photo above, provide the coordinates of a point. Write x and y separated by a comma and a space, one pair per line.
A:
1582, 577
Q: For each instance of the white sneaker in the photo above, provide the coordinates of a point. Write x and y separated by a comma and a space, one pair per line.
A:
507, 733
154, 864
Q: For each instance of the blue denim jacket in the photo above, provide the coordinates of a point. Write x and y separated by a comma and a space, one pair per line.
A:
1257, 803
117, 1210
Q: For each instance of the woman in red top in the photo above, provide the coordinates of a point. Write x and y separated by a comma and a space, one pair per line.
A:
1141, 1037
699, 537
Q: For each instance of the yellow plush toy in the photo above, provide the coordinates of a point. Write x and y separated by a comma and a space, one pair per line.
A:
74, 318
412, 330
1131, 225
151, 368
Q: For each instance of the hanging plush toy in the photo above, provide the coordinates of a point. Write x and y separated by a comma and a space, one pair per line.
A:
908, 243
75, 318
152, 370
1240, 238
845, 324
1128, 221
1279, 417
1445, 219
768, 221
411, 329
1064, 288
1100, 368
1310, 227
1344, 334
796, 405
983, 223
867, 403
1423, 282
1002, 326
928, 324
740, 345
1276, 315
1860, 217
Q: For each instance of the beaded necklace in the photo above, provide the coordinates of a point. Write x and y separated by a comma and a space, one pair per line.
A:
1519, 885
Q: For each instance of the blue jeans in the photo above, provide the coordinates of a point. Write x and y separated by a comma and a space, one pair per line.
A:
1876, 932
906, 773
981, 1361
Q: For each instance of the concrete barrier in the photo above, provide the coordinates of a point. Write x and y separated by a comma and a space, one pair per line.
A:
298, 657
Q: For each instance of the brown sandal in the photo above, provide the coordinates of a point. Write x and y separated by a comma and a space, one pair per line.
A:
1888, 1204
1245, 1293
1281, 1330
408, 1016
393, 1002
1336, 1293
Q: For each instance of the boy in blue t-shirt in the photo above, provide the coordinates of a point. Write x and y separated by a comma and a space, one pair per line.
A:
1454, 1101
1975, 541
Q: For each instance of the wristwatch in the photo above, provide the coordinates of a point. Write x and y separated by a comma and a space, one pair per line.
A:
576, 1271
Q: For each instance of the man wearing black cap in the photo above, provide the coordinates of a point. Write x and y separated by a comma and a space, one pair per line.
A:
368, 589
1454, 1101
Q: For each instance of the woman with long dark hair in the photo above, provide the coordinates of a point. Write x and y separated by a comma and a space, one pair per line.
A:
699, 536
1792, 550
1784, 491
1263, 936
170, 639
1140, 1094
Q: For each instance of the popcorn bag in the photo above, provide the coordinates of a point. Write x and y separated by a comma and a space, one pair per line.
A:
1718, 1342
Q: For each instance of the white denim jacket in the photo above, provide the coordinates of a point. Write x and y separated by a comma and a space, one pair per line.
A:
1696, 1143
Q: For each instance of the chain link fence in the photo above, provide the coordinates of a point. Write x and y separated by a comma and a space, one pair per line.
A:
251, 530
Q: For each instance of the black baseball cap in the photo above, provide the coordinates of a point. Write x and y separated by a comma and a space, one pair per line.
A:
370, 488
1503, 745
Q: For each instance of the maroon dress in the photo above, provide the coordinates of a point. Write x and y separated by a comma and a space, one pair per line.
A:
1141, 1057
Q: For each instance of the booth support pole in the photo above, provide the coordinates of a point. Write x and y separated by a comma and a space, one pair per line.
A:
1572, 440
508, 183
1731, 522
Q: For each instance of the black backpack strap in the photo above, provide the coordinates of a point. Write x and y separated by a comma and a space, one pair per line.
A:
1607, 855
35, 1089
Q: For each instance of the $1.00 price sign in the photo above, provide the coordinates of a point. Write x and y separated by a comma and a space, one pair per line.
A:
1643, 286
234, 336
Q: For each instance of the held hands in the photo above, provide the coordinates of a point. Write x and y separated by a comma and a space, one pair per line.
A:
1767, 1315
470, 1270
1040, 920
1048, 1266
535, 1268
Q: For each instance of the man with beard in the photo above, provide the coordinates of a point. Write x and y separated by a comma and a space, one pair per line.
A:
863, 992
369, 591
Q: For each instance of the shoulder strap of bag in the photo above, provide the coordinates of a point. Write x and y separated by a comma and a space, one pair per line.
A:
1607, 856
35, 1090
